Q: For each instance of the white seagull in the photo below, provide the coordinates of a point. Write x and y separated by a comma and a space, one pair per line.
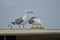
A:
35, 21
22, 20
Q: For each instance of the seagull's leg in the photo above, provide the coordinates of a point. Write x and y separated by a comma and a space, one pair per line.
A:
23, 26
19, 26
11, 27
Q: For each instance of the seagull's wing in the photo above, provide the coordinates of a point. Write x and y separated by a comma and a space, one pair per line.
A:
19, 20
31, 20
33, 17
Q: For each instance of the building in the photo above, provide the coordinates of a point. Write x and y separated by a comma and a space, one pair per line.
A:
31, 34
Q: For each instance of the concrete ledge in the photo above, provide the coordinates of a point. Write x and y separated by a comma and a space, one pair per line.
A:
28, 32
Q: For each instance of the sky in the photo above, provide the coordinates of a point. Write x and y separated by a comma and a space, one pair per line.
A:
47, 10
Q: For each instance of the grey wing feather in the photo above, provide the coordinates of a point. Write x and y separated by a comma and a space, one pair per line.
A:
19, 20
31, 20
33, 17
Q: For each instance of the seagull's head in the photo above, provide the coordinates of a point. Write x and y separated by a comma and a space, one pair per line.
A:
29, 12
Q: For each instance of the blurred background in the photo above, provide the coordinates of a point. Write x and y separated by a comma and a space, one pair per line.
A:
47, 10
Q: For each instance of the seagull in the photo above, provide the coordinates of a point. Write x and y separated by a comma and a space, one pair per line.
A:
35, 21
22, 20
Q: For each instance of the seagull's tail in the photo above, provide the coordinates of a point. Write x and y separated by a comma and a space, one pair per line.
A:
9, 25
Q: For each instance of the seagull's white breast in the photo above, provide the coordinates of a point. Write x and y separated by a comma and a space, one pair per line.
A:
25, 18
37, 22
